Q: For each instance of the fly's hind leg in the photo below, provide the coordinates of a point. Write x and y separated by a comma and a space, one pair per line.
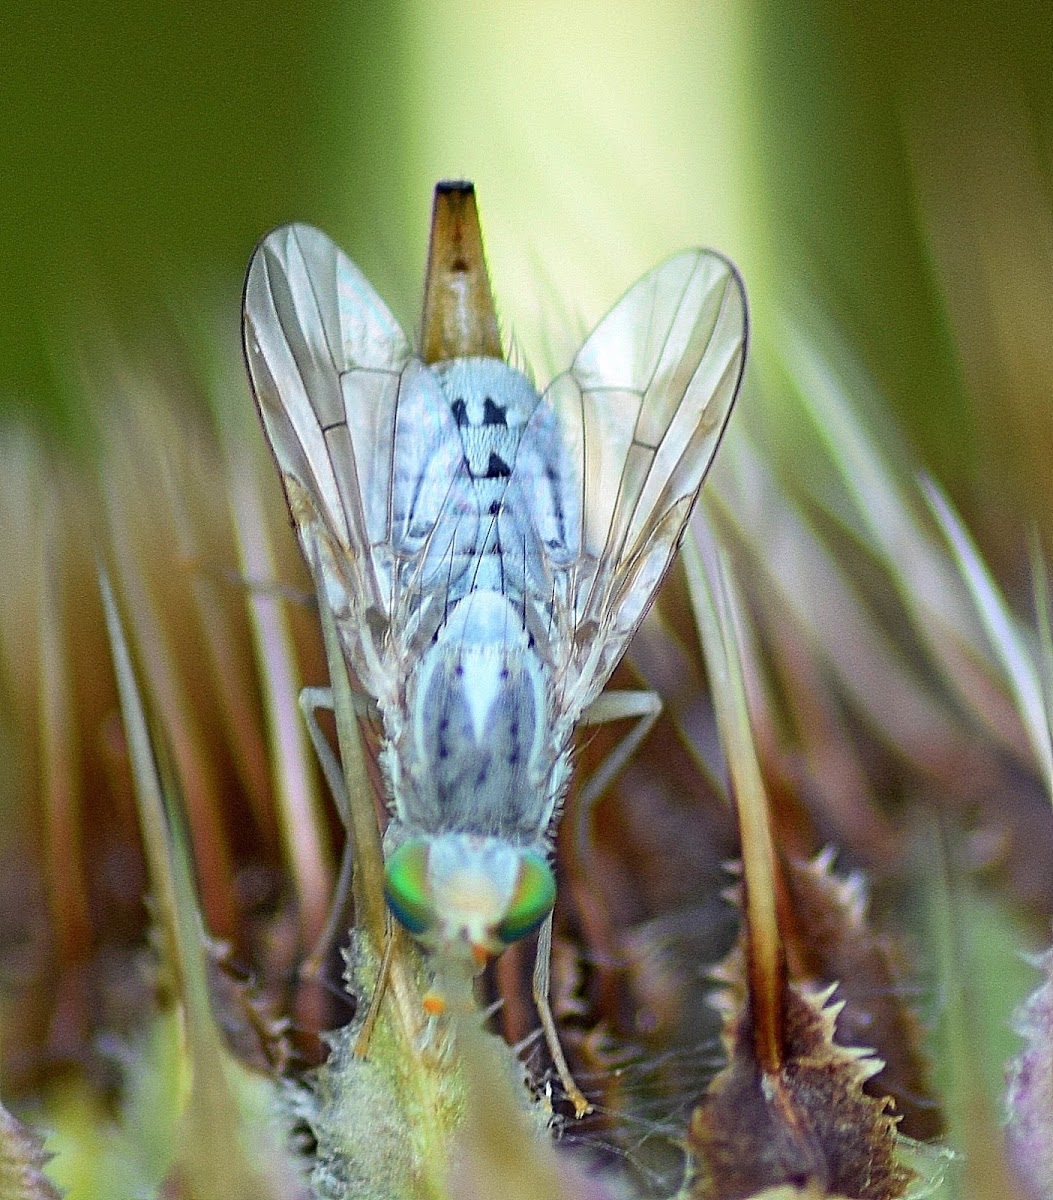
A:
311, 700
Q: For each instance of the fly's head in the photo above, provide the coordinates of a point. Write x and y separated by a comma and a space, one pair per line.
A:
468, 893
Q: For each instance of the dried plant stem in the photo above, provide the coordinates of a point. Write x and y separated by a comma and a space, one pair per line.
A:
395, 969
714, 612
299, 809
60, 801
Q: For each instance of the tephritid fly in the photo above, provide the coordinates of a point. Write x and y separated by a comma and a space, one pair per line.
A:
487, 552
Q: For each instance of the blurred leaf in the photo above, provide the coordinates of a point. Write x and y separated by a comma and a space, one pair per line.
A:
1014, 656
973, 958
808, 585
94, 1157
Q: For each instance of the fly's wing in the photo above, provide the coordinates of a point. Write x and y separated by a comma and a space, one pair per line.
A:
366, 447
640, 413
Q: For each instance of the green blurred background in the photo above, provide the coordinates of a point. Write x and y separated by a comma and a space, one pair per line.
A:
888, 166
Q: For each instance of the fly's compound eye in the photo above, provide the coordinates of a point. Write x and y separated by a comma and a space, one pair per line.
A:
406, 887
532, 899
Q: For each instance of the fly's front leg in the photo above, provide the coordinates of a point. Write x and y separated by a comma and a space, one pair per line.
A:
645, 707
542, 962
365, 1033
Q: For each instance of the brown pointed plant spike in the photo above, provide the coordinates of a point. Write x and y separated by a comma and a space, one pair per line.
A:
460, 320
789, 1107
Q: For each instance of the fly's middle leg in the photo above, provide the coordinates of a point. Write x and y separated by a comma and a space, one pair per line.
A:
311, 701
643, 706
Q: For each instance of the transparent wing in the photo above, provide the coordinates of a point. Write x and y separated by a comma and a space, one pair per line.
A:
640, 412
368, 451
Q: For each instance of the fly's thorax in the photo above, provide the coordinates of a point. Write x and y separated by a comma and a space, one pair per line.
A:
457, 437
466, 893
491, 403
475, 754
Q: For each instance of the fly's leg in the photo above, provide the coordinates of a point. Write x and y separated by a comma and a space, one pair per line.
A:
339, 916
548, 1022
366, 1032
311, 700
645, 707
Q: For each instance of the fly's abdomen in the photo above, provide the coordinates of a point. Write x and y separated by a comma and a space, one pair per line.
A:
476, 751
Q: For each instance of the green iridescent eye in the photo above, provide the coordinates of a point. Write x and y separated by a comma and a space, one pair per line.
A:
532, 900
406, 886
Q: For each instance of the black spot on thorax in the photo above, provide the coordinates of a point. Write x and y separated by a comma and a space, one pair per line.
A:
492, 414
497, 468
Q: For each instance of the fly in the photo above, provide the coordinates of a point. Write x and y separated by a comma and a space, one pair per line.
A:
487, 551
